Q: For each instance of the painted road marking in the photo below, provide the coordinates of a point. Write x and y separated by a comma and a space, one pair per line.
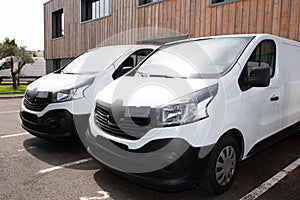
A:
28, 148
9, 112
257, 192
14, 135
103, 195
65, 165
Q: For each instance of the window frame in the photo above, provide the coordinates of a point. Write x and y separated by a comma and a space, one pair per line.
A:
245, 70
57, 64
81, 18
121, 66
54, 21
275, 54
147, 4
221, 3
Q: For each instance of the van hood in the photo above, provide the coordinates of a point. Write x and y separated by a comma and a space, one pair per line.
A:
57, 82
150, 91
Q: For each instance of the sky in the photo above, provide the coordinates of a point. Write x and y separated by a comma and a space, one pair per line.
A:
23, 20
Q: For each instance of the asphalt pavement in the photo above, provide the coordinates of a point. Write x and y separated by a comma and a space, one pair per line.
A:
32, 168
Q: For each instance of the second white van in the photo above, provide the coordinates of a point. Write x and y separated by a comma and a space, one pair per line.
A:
57, 106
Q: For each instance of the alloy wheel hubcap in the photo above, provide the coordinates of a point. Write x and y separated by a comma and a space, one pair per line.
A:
225, 166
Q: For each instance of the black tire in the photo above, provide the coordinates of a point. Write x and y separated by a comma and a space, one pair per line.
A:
218, 184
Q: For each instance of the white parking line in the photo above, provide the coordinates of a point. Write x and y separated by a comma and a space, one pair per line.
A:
13, 135
64, 165
9, 112
28, 148
257, 192
103, 195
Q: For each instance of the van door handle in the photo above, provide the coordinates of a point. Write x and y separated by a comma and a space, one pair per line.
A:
274, 98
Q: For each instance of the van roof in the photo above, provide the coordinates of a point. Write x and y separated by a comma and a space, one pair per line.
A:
126, 46
224, 36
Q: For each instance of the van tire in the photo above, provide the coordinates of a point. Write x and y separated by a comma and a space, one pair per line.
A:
210, 181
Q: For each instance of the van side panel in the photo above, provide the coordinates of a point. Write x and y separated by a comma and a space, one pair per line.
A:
261, 117
289, 63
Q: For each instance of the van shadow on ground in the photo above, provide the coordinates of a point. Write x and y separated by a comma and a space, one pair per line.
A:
58, 153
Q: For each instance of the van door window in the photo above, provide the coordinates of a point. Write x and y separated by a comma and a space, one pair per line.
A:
132, 61
264, 55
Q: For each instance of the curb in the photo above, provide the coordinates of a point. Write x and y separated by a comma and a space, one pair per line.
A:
9, 84
1, 93
18, 95
13, 97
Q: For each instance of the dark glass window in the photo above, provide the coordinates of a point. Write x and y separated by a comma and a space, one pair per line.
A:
132, 61
94, 9
212, 2
144, 2
57, 64
58, 23
264, 55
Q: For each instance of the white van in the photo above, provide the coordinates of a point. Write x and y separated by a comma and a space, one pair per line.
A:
194, 108
57, 106
5, 68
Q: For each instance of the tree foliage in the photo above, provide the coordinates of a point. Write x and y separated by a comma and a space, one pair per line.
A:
14, 55
8, 48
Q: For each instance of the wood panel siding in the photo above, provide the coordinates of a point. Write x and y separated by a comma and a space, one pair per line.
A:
129, 23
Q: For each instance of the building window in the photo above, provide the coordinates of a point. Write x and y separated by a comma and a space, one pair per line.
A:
145, 2
215, 2
58, 24
57, 64
94, 9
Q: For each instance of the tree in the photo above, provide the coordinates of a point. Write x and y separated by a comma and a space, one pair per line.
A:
16, 56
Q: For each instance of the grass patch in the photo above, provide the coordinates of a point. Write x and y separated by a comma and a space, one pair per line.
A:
21, 82
11, 89
11, 95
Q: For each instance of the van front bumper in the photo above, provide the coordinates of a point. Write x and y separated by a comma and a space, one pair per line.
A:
54, 125
183, 170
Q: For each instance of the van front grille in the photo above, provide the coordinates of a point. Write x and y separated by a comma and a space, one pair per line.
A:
34, 103
124, 127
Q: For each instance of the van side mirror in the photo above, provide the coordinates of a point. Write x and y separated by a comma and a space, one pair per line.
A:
259, 77
120, 72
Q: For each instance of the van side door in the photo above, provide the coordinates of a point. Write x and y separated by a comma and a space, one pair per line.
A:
260, 105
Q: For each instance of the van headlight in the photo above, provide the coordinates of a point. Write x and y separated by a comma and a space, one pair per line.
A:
187, 109
71, 94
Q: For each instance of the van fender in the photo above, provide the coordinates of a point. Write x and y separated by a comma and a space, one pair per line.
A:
238, 136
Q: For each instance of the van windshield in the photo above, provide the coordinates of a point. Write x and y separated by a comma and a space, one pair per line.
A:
206, 58
95, 61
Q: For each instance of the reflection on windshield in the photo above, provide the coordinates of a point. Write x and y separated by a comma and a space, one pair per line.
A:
95, 61
203, 58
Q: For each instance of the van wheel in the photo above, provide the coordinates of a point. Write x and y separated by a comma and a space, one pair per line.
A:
221, 166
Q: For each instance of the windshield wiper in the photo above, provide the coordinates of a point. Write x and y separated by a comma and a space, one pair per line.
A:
167, 76
142, 74
68, 72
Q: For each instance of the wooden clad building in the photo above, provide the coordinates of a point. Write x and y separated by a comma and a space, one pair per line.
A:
74, 26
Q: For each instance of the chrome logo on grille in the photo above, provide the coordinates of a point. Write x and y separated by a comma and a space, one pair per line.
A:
109, 121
